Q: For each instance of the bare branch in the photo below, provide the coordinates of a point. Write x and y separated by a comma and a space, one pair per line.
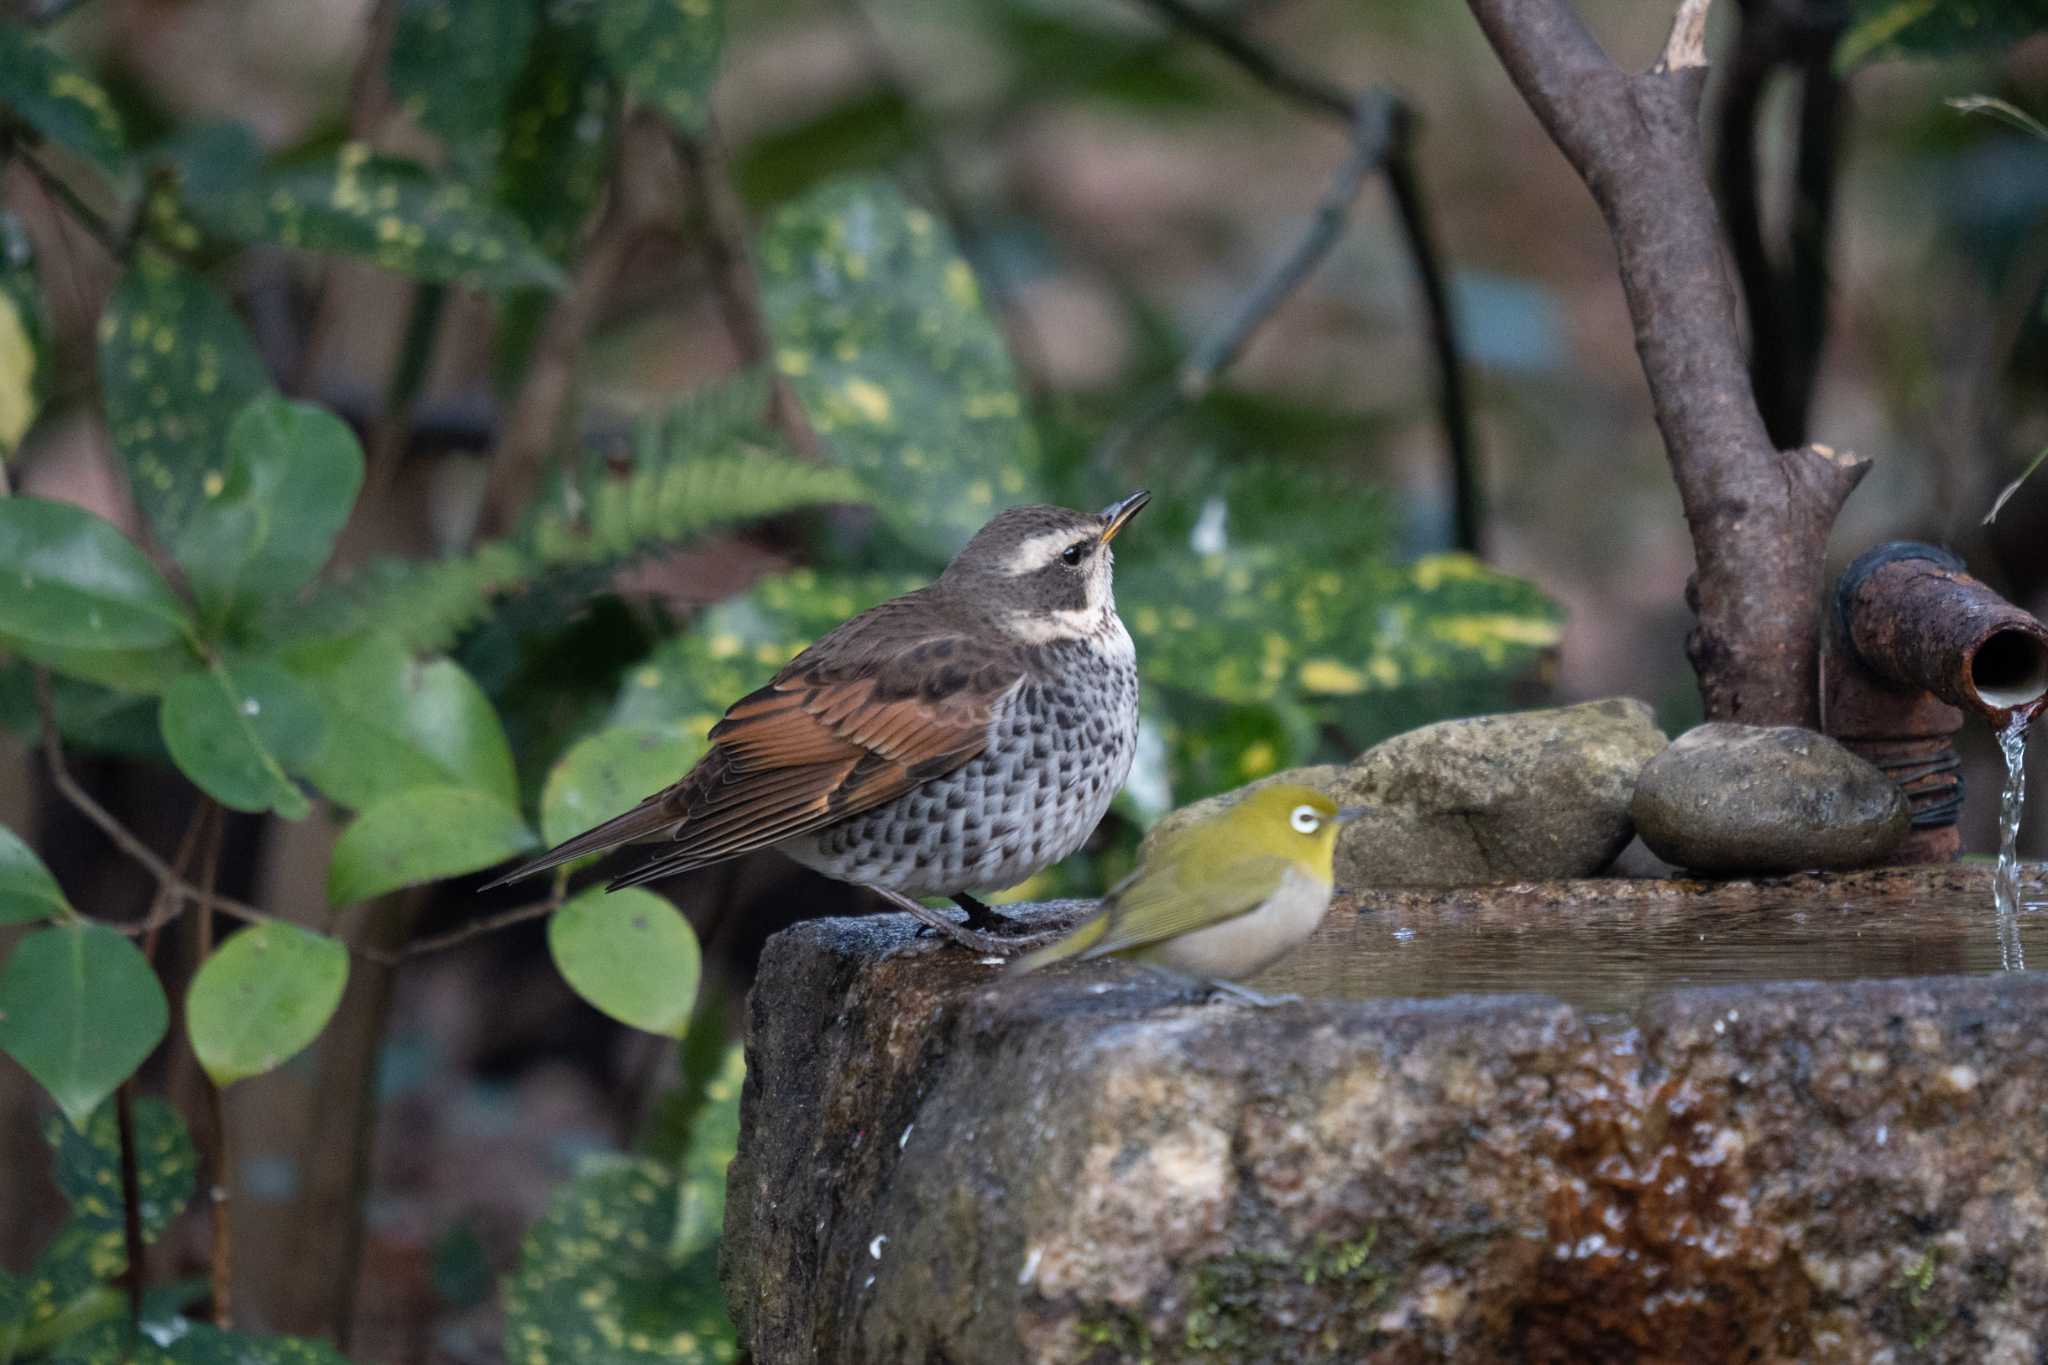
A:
734, 280
1759, 517
1269, 68
111, 238
1687, 45
124, 838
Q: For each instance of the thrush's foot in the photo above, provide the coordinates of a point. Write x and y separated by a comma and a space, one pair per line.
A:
939, 922
980, 916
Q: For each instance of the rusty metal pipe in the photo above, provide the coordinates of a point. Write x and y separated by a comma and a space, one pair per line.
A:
1914, 638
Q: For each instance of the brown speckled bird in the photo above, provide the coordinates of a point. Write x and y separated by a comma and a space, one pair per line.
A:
957, 738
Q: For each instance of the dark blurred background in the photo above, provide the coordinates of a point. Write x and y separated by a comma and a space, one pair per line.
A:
1124, 186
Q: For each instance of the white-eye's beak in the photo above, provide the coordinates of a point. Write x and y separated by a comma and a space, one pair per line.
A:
1122, 510
1346, 814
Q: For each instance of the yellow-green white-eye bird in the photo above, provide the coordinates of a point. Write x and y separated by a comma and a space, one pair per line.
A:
1222, 898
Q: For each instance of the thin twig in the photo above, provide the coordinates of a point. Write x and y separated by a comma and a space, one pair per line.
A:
435, 943
221, 1260
85, 215
131, 1196
124, 838
1331, 101
734, 279
1267, 67
1372, 132
368, 94
1453, 408
540, 408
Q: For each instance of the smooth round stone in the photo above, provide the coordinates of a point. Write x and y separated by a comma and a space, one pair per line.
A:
1733, 799
1527, 795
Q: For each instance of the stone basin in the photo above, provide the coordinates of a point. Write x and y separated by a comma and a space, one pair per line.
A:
941, 1164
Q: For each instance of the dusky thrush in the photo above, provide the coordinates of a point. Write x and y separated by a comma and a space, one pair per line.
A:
957, 738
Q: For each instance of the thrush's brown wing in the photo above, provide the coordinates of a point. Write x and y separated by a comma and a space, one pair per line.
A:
857, 720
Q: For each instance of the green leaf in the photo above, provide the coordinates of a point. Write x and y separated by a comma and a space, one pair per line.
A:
52, 95
1251, 625
880, 328
1935, 28
89, 1168
70, 580
453, 65
263, 996
669, 498
665, 52
737, 645
189, 1343
80, 1009
714, 1140
176, 367
269, 523
235, 730
597, 1280
132, 672
632, 955
22, 363
869, 131
420, 836
395, 722
390, 212
609, 773
1217, 746
559, 134
27, 890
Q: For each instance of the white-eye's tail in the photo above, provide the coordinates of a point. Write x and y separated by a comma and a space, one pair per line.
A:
1076, 944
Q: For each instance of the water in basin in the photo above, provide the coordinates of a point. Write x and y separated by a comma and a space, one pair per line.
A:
1608, 947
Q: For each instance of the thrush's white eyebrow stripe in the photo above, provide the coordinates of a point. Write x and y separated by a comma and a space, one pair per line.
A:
1037, 552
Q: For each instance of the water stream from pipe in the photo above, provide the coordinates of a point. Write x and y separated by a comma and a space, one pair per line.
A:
2005, 883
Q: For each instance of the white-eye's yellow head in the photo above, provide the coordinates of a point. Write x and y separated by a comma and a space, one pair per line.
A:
1286, 820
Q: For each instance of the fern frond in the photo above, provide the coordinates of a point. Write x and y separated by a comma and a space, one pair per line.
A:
676, 489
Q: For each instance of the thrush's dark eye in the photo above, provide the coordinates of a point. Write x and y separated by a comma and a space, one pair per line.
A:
1074, 553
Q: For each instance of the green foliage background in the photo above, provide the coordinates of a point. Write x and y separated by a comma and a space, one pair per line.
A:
425, 702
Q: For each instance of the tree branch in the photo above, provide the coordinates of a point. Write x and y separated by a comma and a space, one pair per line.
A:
1759, 517
734, 281
167, 877
1394, 125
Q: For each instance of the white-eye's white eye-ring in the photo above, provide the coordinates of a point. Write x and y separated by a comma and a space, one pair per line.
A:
1306, 819
1072, 554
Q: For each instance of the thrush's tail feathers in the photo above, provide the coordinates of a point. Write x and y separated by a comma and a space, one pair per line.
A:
1072, 946
650, 818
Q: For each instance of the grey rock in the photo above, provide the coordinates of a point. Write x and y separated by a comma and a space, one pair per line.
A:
1727, 799
1522, 796
940, 1163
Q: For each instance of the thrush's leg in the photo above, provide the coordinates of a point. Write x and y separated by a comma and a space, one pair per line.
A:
938, 920
979, 915
964, 935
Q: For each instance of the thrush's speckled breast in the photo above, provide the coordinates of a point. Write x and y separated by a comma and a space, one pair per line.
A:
957, 738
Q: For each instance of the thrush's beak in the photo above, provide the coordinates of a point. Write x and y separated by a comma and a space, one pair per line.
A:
1346, 814
1122, 510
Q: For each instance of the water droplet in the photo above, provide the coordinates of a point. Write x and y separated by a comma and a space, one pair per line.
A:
875, 1247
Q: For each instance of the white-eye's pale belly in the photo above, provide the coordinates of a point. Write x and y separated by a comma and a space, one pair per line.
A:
1058, 753
1249, 944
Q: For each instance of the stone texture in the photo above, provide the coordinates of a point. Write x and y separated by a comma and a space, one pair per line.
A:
1522, 796
941, 1164
1728, 799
